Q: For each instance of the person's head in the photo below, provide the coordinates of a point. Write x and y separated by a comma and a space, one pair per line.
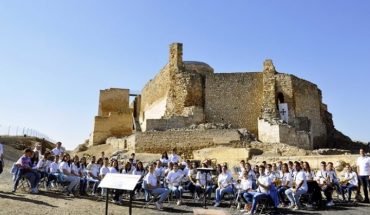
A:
297, 166
224, 168
100, 161
256, 168
264, 163
102, 154
47, 155
301, 162
290, 164
323, 165
127, 166
132, 155
306, 166
106, 161
115, 163
362, 152
140, 165
59, 144
219, 168
151, 168
280, 163
247, 166
165, 155
194, 165
170, 165
348, 167
242, 163
66, 157
330, 166
175, 166
285, 168
261, 169
268, 168
83, 160
174, 150
56, 158
76, 159
274, 167
245, 174
159, 164
93, 159
204, 165
38, 147
28, 152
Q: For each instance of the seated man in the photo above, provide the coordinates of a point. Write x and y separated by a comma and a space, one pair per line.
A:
204, 182
224, 182
152, 185
93, 174
350, 182
324, 180
299, 187
173, 179
244, 185
264, 184
43, 164
24, 165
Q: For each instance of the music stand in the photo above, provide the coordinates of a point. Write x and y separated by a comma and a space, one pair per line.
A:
119, 182
206, 171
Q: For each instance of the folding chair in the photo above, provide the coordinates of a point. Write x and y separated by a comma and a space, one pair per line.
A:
150, 197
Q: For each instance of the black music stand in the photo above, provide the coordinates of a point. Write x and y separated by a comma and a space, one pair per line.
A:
206, 171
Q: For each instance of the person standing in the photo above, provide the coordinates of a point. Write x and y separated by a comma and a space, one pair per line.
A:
1, 158
363, 170
57, 150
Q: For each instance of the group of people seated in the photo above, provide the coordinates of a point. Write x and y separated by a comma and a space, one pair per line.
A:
282, 184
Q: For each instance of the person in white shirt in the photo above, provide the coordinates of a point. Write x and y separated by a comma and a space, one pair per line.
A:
264, 184
204, 182
65, 169
103, 171
129, 169
53, 171
300, 187
164, 158
152, 185
286, 183
93, 170
174, 158
241, 169
173, 179
57, 150
325, 181
113, 167
350, 182
1, 158
307, 171
244, 185
224, 181
363, 170
159, 170
43, 165
251, 175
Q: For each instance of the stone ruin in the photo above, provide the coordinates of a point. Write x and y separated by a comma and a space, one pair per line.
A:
189, 106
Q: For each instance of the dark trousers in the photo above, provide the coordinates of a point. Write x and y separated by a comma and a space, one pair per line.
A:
365, 185
328, 192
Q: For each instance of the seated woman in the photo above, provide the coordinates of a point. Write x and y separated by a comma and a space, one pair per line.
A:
129, 169
77, 171
24, 169
264, 184
139, 170
307, 171
151, 185
244, 186
192, 174
204, 182
251, 175
350, 182
53, 172
93, 170
224, 182
173, 180
324, 180
286, 183
164, 158
299, 187
67, 176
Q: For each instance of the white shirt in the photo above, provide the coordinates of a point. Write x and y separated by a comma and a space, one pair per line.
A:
138, 172
309, 175
164, 160
224, 180
75, 169
201, 177
287, 177
174, 178
151, 179
300, 176
128, 172
43, 165
174, 158
54, 167
333, 176
57, 151
1, 149
93, 168
64, 166
266, 181
246, 184
112, 170
351, 177
364, 165
104, 170
159, 172
321, 176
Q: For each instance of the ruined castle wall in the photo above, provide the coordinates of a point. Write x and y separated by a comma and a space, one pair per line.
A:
308, 104
154, 97
113, 100
234, 98
284, 85
184, 141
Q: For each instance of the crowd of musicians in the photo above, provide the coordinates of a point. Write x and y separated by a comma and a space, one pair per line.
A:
282, 184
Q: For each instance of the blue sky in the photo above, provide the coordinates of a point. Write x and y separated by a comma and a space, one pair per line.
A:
55, 56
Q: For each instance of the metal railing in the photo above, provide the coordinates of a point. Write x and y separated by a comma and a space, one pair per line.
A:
19, 131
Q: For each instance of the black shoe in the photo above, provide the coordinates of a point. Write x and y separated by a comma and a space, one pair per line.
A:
366, 201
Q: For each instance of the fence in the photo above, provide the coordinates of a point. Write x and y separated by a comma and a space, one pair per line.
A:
8, 130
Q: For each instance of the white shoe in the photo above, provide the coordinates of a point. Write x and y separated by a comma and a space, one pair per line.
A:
238, 207
158, 205
34, 191
330, 204
178, 202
